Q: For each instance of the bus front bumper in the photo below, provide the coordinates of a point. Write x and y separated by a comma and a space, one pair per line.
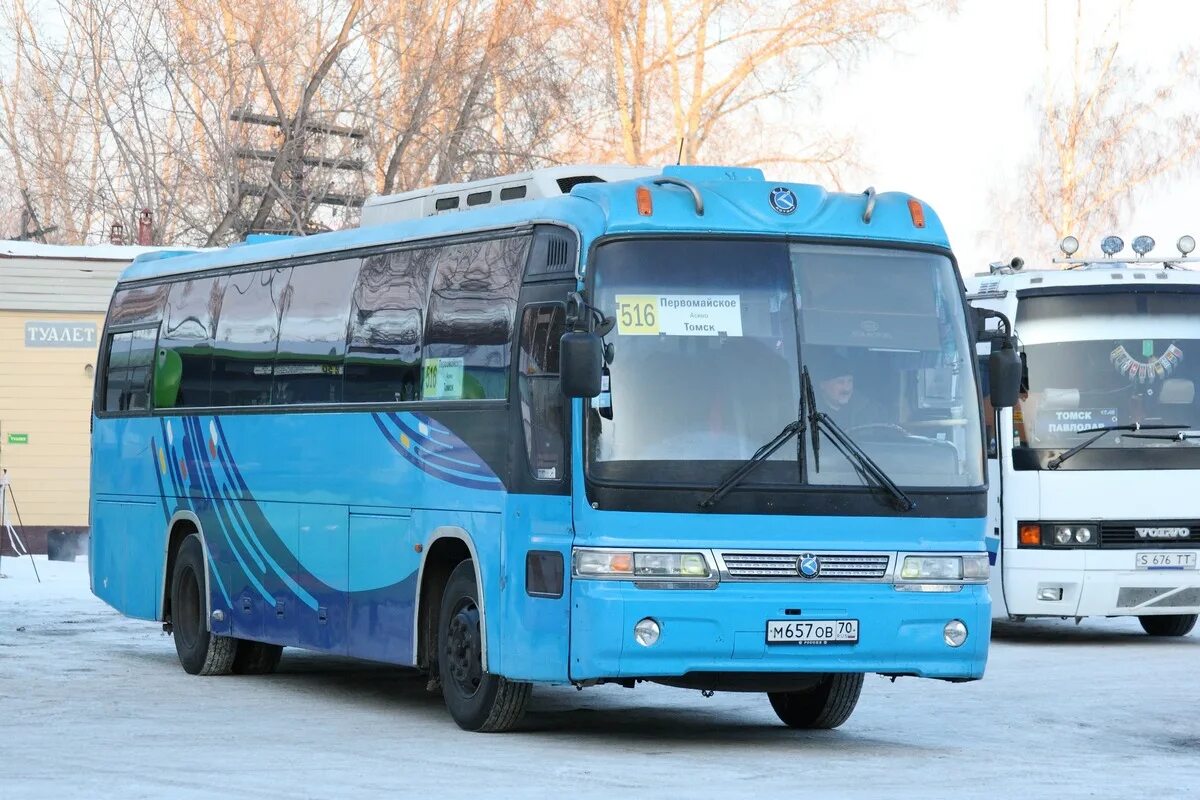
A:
725, 630
1097, 583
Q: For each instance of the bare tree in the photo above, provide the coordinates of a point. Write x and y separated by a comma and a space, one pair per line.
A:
707, 74
1105, 133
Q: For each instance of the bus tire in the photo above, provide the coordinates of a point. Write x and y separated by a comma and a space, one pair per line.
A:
256, 658
1168, 624
200, 651
825, 706
477, 700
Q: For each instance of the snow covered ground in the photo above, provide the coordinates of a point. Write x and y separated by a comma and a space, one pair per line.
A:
95, 705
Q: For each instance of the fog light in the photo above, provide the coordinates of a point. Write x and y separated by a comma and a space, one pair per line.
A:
1053, 593
646, 632
955, 633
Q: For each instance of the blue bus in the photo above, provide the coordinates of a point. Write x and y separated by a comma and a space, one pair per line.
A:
690, 427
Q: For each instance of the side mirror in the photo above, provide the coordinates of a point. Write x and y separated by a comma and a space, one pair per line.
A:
580, 363
1004, 378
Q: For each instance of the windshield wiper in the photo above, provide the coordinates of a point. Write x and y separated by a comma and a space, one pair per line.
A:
864, 465
1057, 461
793, 428
1182, 436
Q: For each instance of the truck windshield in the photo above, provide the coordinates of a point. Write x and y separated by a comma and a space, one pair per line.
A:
710, 336
1109, 359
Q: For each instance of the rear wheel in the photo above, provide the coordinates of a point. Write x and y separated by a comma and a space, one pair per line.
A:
826, 705
477, 700
1168, 624
256, 658
200, 651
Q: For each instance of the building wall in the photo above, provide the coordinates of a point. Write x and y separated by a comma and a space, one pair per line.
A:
45, 414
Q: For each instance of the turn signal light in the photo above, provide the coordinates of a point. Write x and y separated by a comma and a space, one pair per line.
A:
1031, 534
645, 205
917, 212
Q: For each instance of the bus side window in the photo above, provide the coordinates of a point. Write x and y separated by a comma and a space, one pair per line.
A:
116, 371
468, 336
247, 334
387, 320
312, 333
542, 404
187, 339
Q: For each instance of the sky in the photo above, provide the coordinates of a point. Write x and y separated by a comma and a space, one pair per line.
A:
944, 111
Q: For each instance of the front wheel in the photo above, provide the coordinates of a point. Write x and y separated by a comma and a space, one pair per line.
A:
200, 651
826, 705
477, 700
1168, 624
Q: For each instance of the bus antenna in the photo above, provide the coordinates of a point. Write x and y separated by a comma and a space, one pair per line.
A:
679, 158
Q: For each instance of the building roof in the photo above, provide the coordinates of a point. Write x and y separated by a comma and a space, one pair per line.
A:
47, 277
736, 201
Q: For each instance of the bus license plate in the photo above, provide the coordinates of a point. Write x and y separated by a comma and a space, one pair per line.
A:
816, 631
1165, 560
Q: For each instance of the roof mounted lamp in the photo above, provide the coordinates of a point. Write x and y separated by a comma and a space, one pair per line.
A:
1112, 245
1186, 245
1069, 245
1143, 245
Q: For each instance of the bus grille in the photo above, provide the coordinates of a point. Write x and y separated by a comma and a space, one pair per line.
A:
1123, 535
785, 566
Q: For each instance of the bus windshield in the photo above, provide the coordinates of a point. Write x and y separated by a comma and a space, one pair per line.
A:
1109, 359
710, 338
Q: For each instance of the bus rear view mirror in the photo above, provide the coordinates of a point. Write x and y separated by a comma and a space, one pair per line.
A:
1004, 374
581, 361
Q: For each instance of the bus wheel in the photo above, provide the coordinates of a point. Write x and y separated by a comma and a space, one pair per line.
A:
477, 700
200, 652
256, 658
1168, 624
826, 705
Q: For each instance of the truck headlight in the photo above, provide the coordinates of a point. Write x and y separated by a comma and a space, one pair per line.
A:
604, 563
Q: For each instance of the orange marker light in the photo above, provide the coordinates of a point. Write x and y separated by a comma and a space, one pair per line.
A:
621, 563
917, 211
1031, 534
645, 205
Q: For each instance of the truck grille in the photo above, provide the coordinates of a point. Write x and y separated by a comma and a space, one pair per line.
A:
784, 566
1123, 535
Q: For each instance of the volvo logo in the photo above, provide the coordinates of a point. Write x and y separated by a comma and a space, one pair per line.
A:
1163, 533
783, 200
808, 565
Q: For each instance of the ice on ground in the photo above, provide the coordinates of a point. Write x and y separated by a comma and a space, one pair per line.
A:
96, 705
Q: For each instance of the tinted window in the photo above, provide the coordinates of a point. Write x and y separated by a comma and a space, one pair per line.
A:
312, 334
471, 309
127, 370
383, 362
140, 304
244, 350
542, 402
141, 359
116, 375
183, 370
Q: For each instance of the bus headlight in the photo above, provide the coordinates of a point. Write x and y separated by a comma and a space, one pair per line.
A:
605, 563
932, 568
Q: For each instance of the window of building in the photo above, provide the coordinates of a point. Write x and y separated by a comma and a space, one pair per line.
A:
312, 333
387, 320
247, 332
183, 368
543, 407
468, 337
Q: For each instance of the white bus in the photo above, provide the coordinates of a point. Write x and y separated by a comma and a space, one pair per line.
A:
1095, 474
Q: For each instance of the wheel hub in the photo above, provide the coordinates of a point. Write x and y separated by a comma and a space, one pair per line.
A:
463, 654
